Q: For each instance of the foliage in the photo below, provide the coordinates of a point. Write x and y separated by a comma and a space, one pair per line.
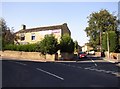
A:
26, 48
66, 44
0, 40
113, 42
76, 46
48, 45
7, 37
104, 42
99, 22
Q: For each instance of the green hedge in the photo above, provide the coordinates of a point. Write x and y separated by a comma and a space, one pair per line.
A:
26, 48
113, 42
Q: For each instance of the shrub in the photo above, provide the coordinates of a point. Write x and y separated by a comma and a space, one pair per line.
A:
48, 45
66, 44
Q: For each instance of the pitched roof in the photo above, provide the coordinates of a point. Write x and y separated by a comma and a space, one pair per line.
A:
43, 28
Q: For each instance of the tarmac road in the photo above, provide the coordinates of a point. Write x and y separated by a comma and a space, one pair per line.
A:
91, 73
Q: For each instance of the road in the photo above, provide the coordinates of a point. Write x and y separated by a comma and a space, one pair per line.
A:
89, 73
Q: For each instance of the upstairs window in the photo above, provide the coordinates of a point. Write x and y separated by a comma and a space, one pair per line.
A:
33, 36
22, 37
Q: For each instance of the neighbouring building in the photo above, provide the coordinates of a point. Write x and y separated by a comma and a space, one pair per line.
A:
33, 35
86, 48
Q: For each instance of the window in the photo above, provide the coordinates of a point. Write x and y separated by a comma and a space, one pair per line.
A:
33, 36
22, 37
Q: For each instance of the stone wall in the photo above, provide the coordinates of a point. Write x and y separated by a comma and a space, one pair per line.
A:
67, 56
27, 55
98, 54
112, 55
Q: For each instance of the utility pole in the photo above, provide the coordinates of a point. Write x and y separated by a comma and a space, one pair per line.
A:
100, 42
108, 45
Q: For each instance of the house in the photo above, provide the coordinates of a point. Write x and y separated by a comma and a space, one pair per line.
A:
33, 35
86, 48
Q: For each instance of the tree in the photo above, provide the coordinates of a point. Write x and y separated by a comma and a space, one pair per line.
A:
76, 46
99, 22
6, 36
48, 45
66, 44
118, 32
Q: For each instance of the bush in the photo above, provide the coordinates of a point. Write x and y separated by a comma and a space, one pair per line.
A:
66, 44
48, 45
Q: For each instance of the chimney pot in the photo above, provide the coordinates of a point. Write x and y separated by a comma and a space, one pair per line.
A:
23, 26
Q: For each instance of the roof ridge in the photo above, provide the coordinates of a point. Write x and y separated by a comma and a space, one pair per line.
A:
43, 28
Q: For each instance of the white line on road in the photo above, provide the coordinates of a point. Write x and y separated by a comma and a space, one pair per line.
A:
50, 73
94, 62
79, 67
103, 71
21, 63
91, 68
87, 68
97, 70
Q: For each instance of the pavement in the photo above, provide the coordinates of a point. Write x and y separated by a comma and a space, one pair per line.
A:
111, 60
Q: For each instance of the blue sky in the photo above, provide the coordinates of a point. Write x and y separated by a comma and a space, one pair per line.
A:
36, 14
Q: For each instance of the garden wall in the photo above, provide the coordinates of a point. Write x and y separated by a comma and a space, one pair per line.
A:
27, 55
67, 56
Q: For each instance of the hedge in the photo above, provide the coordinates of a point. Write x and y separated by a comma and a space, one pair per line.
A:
113, 42
26, 48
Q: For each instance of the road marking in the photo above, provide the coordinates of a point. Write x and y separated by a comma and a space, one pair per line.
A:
79, 67
50, 73
97, 70
73, 66
20, 63
94, 62
108, 71
103, 70
87, 68
91, 68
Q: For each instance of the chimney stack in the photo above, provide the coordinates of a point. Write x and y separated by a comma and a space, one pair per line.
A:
23, 27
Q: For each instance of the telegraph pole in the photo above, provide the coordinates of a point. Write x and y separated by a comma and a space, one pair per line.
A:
108, 45
100, 42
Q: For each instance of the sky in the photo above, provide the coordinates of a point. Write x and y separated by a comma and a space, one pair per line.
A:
38, 14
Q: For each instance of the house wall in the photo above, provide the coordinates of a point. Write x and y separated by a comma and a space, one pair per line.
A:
39, 35
40, 32
86, 48
65, 29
